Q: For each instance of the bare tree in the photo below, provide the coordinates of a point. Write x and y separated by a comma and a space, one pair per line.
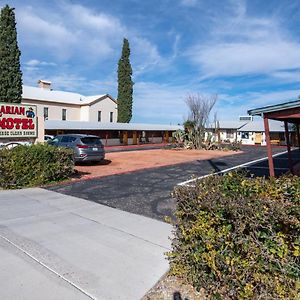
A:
200, 107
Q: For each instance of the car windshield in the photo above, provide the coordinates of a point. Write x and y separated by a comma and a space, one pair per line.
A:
90, 141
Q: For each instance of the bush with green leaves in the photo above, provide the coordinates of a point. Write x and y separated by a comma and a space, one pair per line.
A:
34, 165
239, 237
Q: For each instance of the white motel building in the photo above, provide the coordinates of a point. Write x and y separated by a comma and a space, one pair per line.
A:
248, 131
62, 112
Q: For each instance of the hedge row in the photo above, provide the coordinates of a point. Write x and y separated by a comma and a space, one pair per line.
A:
34, 165
238, 237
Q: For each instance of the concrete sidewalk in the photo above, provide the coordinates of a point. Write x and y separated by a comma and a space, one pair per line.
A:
54, 246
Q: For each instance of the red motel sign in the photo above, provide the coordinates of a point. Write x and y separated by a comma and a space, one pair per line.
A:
18, 121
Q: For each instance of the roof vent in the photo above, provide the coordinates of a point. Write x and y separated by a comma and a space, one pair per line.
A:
43, 84
245, 118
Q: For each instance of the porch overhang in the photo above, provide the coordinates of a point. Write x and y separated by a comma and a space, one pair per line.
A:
288, 112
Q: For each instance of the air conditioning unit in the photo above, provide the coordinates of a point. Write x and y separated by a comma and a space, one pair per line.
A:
245, 118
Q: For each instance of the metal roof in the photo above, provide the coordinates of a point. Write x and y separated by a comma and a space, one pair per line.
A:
258, 126
228, 124
272, 108
81, 125
41, 94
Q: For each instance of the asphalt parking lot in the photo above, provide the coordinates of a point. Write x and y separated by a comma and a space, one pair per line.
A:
148, 192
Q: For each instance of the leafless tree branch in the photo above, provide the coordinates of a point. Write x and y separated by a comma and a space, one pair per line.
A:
200, 107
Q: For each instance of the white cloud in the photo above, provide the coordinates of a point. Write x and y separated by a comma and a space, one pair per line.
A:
73, 31
145, 55
241, 45
227, 59
41, 33
170, 106
102, 23
159, 103
231, 106
287, 76
36, 63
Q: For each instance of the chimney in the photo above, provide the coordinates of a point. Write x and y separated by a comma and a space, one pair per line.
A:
43, 84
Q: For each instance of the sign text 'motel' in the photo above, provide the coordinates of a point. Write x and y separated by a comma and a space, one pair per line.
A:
18, 121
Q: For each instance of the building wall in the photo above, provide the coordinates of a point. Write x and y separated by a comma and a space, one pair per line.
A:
41, 130
85, 113
228, 135
55, 109
105, 106
246, 138
88, 113
277, 138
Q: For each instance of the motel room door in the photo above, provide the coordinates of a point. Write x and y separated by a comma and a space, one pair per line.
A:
125, 138
258, 137
134, 138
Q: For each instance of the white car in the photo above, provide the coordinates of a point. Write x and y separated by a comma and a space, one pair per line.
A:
10, 145
48, 137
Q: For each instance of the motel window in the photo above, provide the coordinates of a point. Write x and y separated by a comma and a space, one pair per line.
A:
111, 117
46, 113
229, 134
99, 116
64, 114
245, 135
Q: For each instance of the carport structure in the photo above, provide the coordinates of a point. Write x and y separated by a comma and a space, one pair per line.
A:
288, 112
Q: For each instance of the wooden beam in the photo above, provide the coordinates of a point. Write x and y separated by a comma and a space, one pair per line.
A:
288, 144
292, 113
269, 147
125, 138
298, 135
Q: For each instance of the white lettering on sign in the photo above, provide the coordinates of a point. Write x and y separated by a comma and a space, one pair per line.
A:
17, 120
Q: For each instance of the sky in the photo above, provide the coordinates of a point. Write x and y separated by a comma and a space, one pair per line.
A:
246, 52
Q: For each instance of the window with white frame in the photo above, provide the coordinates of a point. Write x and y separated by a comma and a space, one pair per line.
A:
245, 135
64, 114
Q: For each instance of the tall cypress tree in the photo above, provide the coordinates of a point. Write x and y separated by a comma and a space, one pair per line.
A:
125, 85
10, 71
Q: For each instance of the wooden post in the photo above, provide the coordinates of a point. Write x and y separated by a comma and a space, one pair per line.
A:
106, 137
167, 137
269, 147
298, 135
134, 138
125, 138
138, 137
288, 144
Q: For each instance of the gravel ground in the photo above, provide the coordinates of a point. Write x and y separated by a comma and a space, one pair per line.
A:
172, 288
124, 162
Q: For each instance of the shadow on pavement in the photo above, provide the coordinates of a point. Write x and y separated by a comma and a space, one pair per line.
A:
280, 165
216, 165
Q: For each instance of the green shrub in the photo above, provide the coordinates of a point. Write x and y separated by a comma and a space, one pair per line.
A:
238, 237
34, 165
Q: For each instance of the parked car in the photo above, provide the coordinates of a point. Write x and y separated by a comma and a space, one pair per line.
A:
85, 147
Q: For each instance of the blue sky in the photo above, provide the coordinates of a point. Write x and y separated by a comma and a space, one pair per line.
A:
247, 52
